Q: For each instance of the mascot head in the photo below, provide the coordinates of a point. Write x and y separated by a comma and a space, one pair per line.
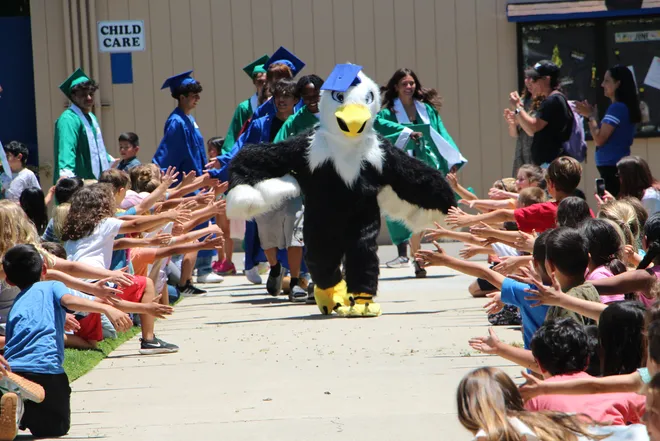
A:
349, 103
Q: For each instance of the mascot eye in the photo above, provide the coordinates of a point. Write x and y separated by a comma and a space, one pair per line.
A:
370, 97
338, 96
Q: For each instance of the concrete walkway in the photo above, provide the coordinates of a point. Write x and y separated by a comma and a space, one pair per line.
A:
253, 367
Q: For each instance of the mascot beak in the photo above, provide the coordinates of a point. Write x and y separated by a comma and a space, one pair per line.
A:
352, 119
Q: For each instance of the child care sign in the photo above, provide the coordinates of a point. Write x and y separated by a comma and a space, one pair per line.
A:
121, 36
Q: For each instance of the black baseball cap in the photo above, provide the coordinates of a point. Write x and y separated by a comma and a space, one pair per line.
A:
543, 68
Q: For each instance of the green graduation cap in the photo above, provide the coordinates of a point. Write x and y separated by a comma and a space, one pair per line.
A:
256, 67
74, 79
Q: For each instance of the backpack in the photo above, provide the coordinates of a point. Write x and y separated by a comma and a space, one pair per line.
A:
575, 145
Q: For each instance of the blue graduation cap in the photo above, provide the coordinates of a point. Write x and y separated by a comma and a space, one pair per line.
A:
342, 77
284, 56
178, 80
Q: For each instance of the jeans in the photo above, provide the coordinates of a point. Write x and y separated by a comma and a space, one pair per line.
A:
203, 265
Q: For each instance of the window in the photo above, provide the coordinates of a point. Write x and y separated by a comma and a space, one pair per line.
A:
584, 50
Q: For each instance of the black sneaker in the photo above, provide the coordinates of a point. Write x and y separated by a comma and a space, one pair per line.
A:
156, 346
189, 289
311, 300
274, 282
420, 272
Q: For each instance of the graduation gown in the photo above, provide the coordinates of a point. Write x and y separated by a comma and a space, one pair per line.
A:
243, 112
431, 156
182, 145
72, 150
297, 123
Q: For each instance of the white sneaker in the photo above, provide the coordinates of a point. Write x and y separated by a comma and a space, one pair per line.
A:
253, 275
210, 278
263, 268
399, 262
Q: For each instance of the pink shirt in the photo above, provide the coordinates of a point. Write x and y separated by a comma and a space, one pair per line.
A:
618, 409
642, 298
603, 272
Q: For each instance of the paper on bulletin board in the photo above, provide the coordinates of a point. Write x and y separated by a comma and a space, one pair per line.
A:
653, 76
5, 177
632, 70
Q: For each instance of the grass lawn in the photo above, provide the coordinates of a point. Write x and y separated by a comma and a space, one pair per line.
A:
78, 362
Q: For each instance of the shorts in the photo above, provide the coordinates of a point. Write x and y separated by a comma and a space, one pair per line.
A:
91, 328
282, 228
485, 285
134, 292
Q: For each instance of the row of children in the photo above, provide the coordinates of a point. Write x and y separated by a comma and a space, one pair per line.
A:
581, 288
102, 256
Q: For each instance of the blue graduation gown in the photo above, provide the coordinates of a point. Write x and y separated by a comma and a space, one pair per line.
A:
257, 132
182, 145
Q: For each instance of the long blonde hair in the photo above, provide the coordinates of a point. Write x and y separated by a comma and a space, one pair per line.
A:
60, 213
17, 229
624, 215
487, 398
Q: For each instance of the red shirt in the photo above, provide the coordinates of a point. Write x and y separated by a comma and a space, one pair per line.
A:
616, 408
538, 217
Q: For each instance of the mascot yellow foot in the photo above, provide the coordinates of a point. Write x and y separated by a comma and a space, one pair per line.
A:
361, 305
331, 299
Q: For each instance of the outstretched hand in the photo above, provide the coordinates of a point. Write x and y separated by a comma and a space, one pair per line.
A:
487, 345
495, 304
436, 234
457, 218
542, 295
431, 258
533, 387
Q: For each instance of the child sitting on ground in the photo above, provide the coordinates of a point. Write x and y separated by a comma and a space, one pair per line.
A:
129, 146
19, 177
35, 344
64, 191
89, 234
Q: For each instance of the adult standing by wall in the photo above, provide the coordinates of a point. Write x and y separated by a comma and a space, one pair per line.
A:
523, 153
551, 126
183, 147
79, 147
614, 135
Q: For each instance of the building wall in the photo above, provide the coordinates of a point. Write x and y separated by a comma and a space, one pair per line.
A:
464, 48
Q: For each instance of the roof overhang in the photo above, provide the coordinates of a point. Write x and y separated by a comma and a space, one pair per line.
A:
549, 10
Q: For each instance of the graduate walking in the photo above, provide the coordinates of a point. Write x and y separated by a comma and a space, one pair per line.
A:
407, 103
245, 109
79, 147
183, 147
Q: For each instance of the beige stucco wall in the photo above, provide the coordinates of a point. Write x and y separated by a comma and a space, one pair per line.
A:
464, 48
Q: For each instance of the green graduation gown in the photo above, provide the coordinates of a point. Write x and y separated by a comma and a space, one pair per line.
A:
399, 233
297, 123
72, 150
242, 113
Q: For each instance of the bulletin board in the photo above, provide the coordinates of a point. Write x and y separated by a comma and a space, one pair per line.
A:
636, 43
584, 50
571, 46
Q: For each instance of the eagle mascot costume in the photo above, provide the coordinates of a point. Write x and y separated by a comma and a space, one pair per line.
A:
346, 174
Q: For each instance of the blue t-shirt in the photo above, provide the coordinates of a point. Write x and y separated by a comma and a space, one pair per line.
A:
120, 257
619, 142
35, 329
513, 293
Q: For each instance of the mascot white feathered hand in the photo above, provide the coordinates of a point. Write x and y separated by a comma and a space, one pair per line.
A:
347, 175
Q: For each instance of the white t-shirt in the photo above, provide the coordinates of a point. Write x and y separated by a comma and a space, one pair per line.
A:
651, 200
20, 181
95, 249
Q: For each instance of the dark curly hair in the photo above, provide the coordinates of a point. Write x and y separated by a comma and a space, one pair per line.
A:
90, 86
283, 88
89, 206
428, 96
561, 346
316, 80
189, 88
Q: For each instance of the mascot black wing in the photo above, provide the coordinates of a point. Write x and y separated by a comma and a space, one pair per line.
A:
347, 174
